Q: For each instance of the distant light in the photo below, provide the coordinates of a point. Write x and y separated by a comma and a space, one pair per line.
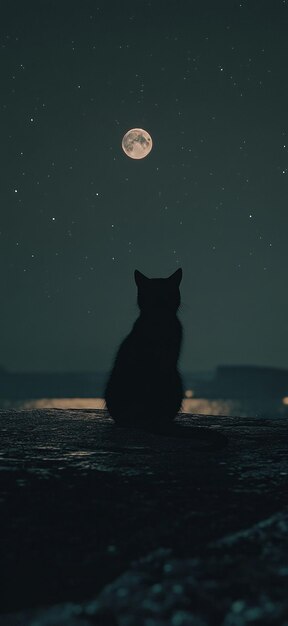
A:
189, 393
285, 400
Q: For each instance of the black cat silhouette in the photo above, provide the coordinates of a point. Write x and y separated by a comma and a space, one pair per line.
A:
144, 386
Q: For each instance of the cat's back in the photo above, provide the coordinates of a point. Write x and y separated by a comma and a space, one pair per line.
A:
149, 336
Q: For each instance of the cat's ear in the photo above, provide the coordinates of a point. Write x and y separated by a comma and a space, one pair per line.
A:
176, 277
139, 278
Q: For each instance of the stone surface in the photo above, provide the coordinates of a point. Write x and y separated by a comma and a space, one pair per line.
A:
114, 526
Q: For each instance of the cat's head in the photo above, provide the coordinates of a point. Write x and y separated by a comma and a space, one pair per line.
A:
158, 294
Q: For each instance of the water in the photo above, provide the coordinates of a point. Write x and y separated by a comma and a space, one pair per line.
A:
241, 408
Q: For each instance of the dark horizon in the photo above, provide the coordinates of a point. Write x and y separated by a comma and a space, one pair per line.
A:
226, 381
251, 366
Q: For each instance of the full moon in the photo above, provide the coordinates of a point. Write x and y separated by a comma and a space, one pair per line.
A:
137, 143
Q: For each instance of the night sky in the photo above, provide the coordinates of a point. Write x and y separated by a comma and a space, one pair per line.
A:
209, 81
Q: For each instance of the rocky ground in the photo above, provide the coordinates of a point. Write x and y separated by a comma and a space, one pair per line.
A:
110, 526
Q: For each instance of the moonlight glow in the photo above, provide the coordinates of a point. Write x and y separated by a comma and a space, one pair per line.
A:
137, 143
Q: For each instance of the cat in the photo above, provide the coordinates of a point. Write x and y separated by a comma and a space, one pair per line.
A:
144, 387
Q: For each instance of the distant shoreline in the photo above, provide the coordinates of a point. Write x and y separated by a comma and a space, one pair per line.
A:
200, 406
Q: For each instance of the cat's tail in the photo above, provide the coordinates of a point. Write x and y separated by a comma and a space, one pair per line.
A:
203, 436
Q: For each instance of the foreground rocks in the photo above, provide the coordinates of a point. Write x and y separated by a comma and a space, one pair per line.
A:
109, 526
